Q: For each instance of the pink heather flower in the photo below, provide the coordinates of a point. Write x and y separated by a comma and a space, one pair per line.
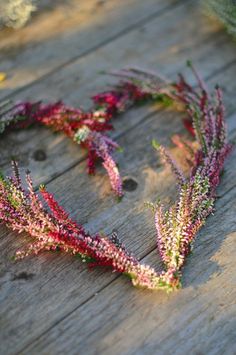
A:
83, 127
102, 147
52, 229
120, 98
177, 227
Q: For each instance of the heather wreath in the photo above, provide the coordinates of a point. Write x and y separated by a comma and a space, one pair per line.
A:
51, 227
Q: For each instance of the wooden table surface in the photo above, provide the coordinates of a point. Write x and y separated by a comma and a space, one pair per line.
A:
51, 303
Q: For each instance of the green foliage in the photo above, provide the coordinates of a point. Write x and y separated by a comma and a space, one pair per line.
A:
225, 10
15, 13
155, 144
163, 99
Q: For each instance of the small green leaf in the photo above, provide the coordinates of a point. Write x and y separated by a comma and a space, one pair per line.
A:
102, 72
156, 145
119, 198
189, 63
120, 149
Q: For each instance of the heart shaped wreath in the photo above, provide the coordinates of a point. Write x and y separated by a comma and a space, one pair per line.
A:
24, 210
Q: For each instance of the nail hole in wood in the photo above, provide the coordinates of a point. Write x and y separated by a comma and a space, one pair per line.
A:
129, 184
39, 155
23, 276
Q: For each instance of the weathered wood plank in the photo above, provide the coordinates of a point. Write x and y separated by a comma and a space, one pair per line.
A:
47, 270
65, 31
199, 319
134, 225
204, 307
190, 322
167, 55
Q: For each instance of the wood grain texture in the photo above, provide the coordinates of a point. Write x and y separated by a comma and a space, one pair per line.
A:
51, 304
135, 226
66, 30
198, 319
78, 81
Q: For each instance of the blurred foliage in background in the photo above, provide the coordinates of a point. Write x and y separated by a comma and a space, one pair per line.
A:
225, 11
15, 13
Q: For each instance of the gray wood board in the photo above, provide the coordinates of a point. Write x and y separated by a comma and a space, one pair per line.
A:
68, 30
